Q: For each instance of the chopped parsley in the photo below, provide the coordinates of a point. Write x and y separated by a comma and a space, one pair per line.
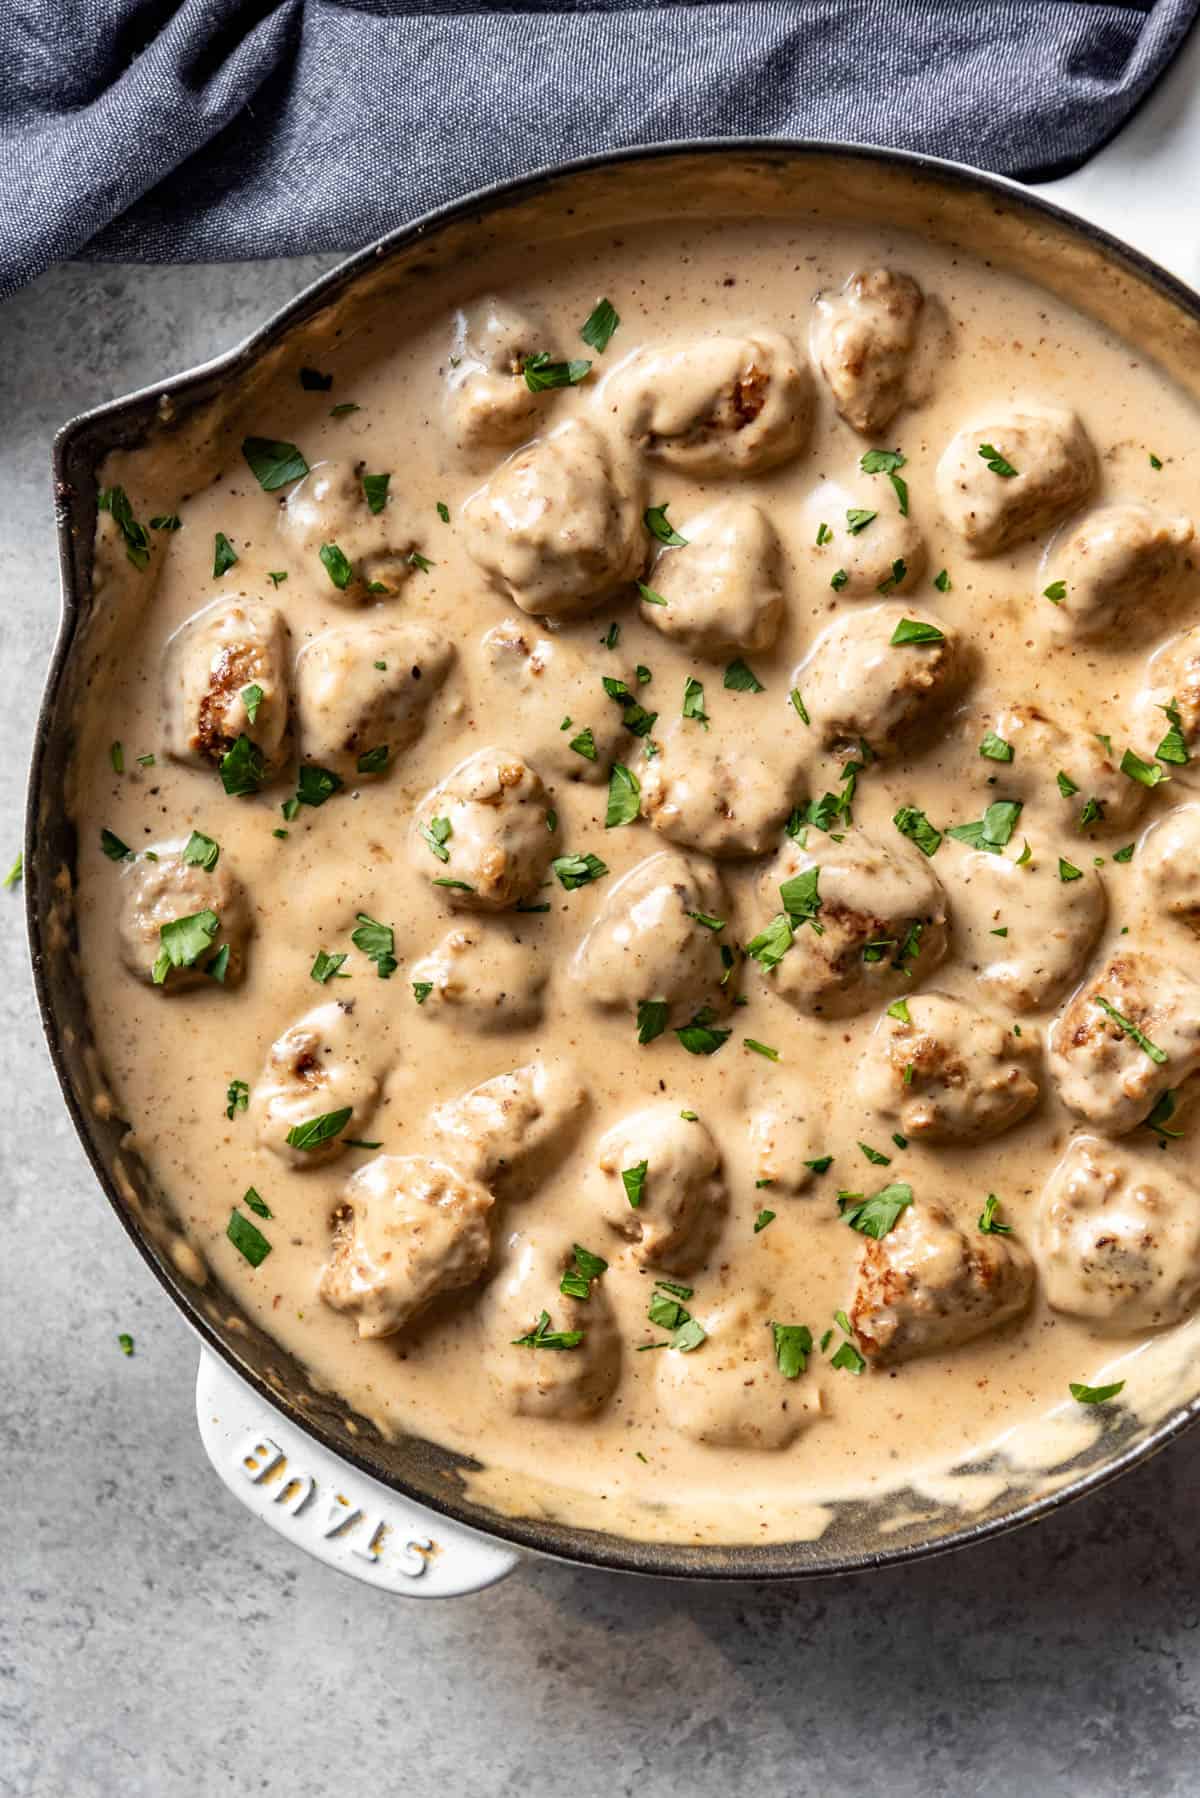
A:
877, 1215
277, 579
912, 630
824, 535
693, 701
574, 871
820, 1164
113, 847
757, 1048
1146, 773
585, 745
115, 501
377, 942
315, 785
1067, 871
659, 526
247, 1238
914, 825
899, 570
315, 1132
543, 1337
541, 374
597, 329
624, 794
336, 566
996, 461
184, 941
633, 1179
1125, 854
651, 1019
1056, 592
1157, 1055
798, 706
888, 462
739, 678
1095, 1395
858, 518
326, 966
421, 990
166, 521
942, 581
125, 1342
1173, 747
994, 830
793, 1346
838, 579
987, 1218
847, 1358
699, 1037
875, 1156
253, 1200
224, 555
201, 852
373, 761
649, 595
762, 1220
995, 749
237, 1098
1164, 1111
273, 464
375, 491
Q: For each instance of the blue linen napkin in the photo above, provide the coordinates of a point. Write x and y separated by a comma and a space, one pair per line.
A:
146, 130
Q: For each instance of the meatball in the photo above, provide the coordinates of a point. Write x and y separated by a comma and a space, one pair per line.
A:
719, 405
1050, 926
543, 680
884, 555
1092, 792
318, 1068
167, 891
1117, 1237
512, 1129
863, 339
481, 978
226, 663
927, 1285
406, 1230
363, 688
784, 1141
378, 541
882, 918
1130, 1032
657, 1181
730, 1393
858, 686
1169, 865
704, 791
482, 833
722, 591
991, 510
558, 527
1121, 569
1172, 679
648, 941
488, 403
564, 1380
945, 1071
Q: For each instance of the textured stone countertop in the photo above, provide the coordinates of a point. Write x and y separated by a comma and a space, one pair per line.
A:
155, 1641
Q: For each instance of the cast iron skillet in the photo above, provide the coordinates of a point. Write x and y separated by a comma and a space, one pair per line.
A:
796, 180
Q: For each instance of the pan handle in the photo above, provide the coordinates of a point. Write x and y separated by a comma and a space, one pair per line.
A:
1142, 186
335, 1513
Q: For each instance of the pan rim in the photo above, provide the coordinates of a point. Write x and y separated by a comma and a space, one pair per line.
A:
775, 1561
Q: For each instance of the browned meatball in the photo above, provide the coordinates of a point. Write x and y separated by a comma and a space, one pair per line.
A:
1118, 1237
513, 1128
539, 679
481, 834
722, 590
859, 685
1172, 679
704, 791
163, 892
1011, 478
882, 917
488, 401
575, 1375
944, 1071
1130, 1032
225, 676
864, 338
1092, 791
730, 1393
406, 1230
1121, 568
322, 1065
673, 1211
362, 688
649, 940
1168, 865
558, 528
927, 1285
378, 543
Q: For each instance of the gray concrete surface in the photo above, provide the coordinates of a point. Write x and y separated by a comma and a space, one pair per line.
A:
154, 1642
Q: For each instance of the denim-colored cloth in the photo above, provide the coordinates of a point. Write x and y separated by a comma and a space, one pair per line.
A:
141, 130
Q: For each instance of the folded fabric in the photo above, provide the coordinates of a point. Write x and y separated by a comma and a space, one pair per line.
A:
140, 130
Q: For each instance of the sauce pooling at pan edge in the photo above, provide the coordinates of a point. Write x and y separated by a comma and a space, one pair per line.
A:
645, 911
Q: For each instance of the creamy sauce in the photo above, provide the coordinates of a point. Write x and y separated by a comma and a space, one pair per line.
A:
715, 1444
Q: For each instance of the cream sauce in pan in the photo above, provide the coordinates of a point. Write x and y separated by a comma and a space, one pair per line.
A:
402, 1271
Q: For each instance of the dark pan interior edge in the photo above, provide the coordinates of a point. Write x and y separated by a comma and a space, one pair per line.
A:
78, 450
